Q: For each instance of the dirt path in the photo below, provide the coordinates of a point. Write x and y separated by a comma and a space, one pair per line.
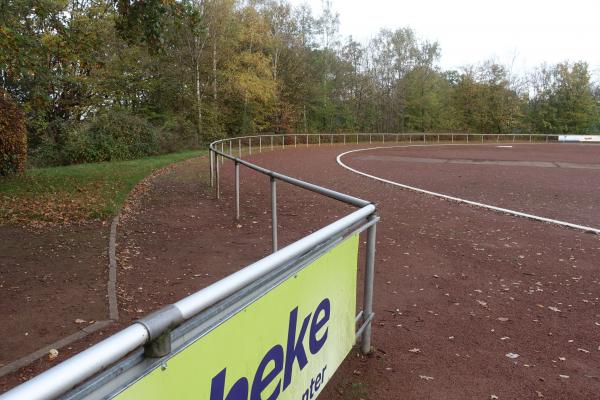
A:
52, 284
457, 288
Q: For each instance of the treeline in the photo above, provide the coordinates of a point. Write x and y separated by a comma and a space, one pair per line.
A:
116, 79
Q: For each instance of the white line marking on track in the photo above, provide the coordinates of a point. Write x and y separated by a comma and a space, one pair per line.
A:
458, 199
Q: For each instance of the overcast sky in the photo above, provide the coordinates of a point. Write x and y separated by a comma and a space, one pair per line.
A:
470, 31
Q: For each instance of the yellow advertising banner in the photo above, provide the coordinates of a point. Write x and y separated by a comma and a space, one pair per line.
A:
285, 345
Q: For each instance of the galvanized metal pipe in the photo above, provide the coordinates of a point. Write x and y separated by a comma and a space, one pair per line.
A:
58, 380
212, 167
237, 190
218, 186
368, 288
274, 212
271, 143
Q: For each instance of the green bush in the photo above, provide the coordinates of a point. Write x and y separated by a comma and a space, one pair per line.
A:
13, 138
109, 137
176, 134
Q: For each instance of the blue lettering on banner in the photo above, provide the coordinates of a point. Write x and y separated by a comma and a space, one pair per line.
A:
275, 357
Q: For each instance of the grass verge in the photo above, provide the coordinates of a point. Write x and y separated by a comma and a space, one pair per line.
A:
76, 193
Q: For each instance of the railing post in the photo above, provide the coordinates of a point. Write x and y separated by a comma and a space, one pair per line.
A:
368, 288
409, 138
357, 138
218, 188
230, 148
222, 151
344, 138
397, 137
481, 138
212, 167
467, 138
370, 139
295, 141
546, 138
452, 138
260, 144
306, 140
271, 142
274, 212
319, 139
250, 146
240, 148
283, 141
237, 190
424, 140
530, 138
383, 138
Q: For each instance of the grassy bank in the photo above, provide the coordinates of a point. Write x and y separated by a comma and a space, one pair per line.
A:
76, 192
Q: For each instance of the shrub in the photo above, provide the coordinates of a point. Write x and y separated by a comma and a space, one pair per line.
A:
13, 138
176, 134
118, 135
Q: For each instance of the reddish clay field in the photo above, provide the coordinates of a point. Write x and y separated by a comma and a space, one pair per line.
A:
469, 303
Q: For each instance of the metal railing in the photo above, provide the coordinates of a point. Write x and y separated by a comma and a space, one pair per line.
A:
149, 339
217, 157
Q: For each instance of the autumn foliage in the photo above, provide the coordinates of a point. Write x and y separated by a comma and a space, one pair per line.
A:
13, 138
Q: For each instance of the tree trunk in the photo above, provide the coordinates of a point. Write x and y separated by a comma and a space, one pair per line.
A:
198, 101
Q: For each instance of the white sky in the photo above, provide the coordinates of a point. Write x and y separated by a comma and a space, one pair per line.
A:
529, 32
